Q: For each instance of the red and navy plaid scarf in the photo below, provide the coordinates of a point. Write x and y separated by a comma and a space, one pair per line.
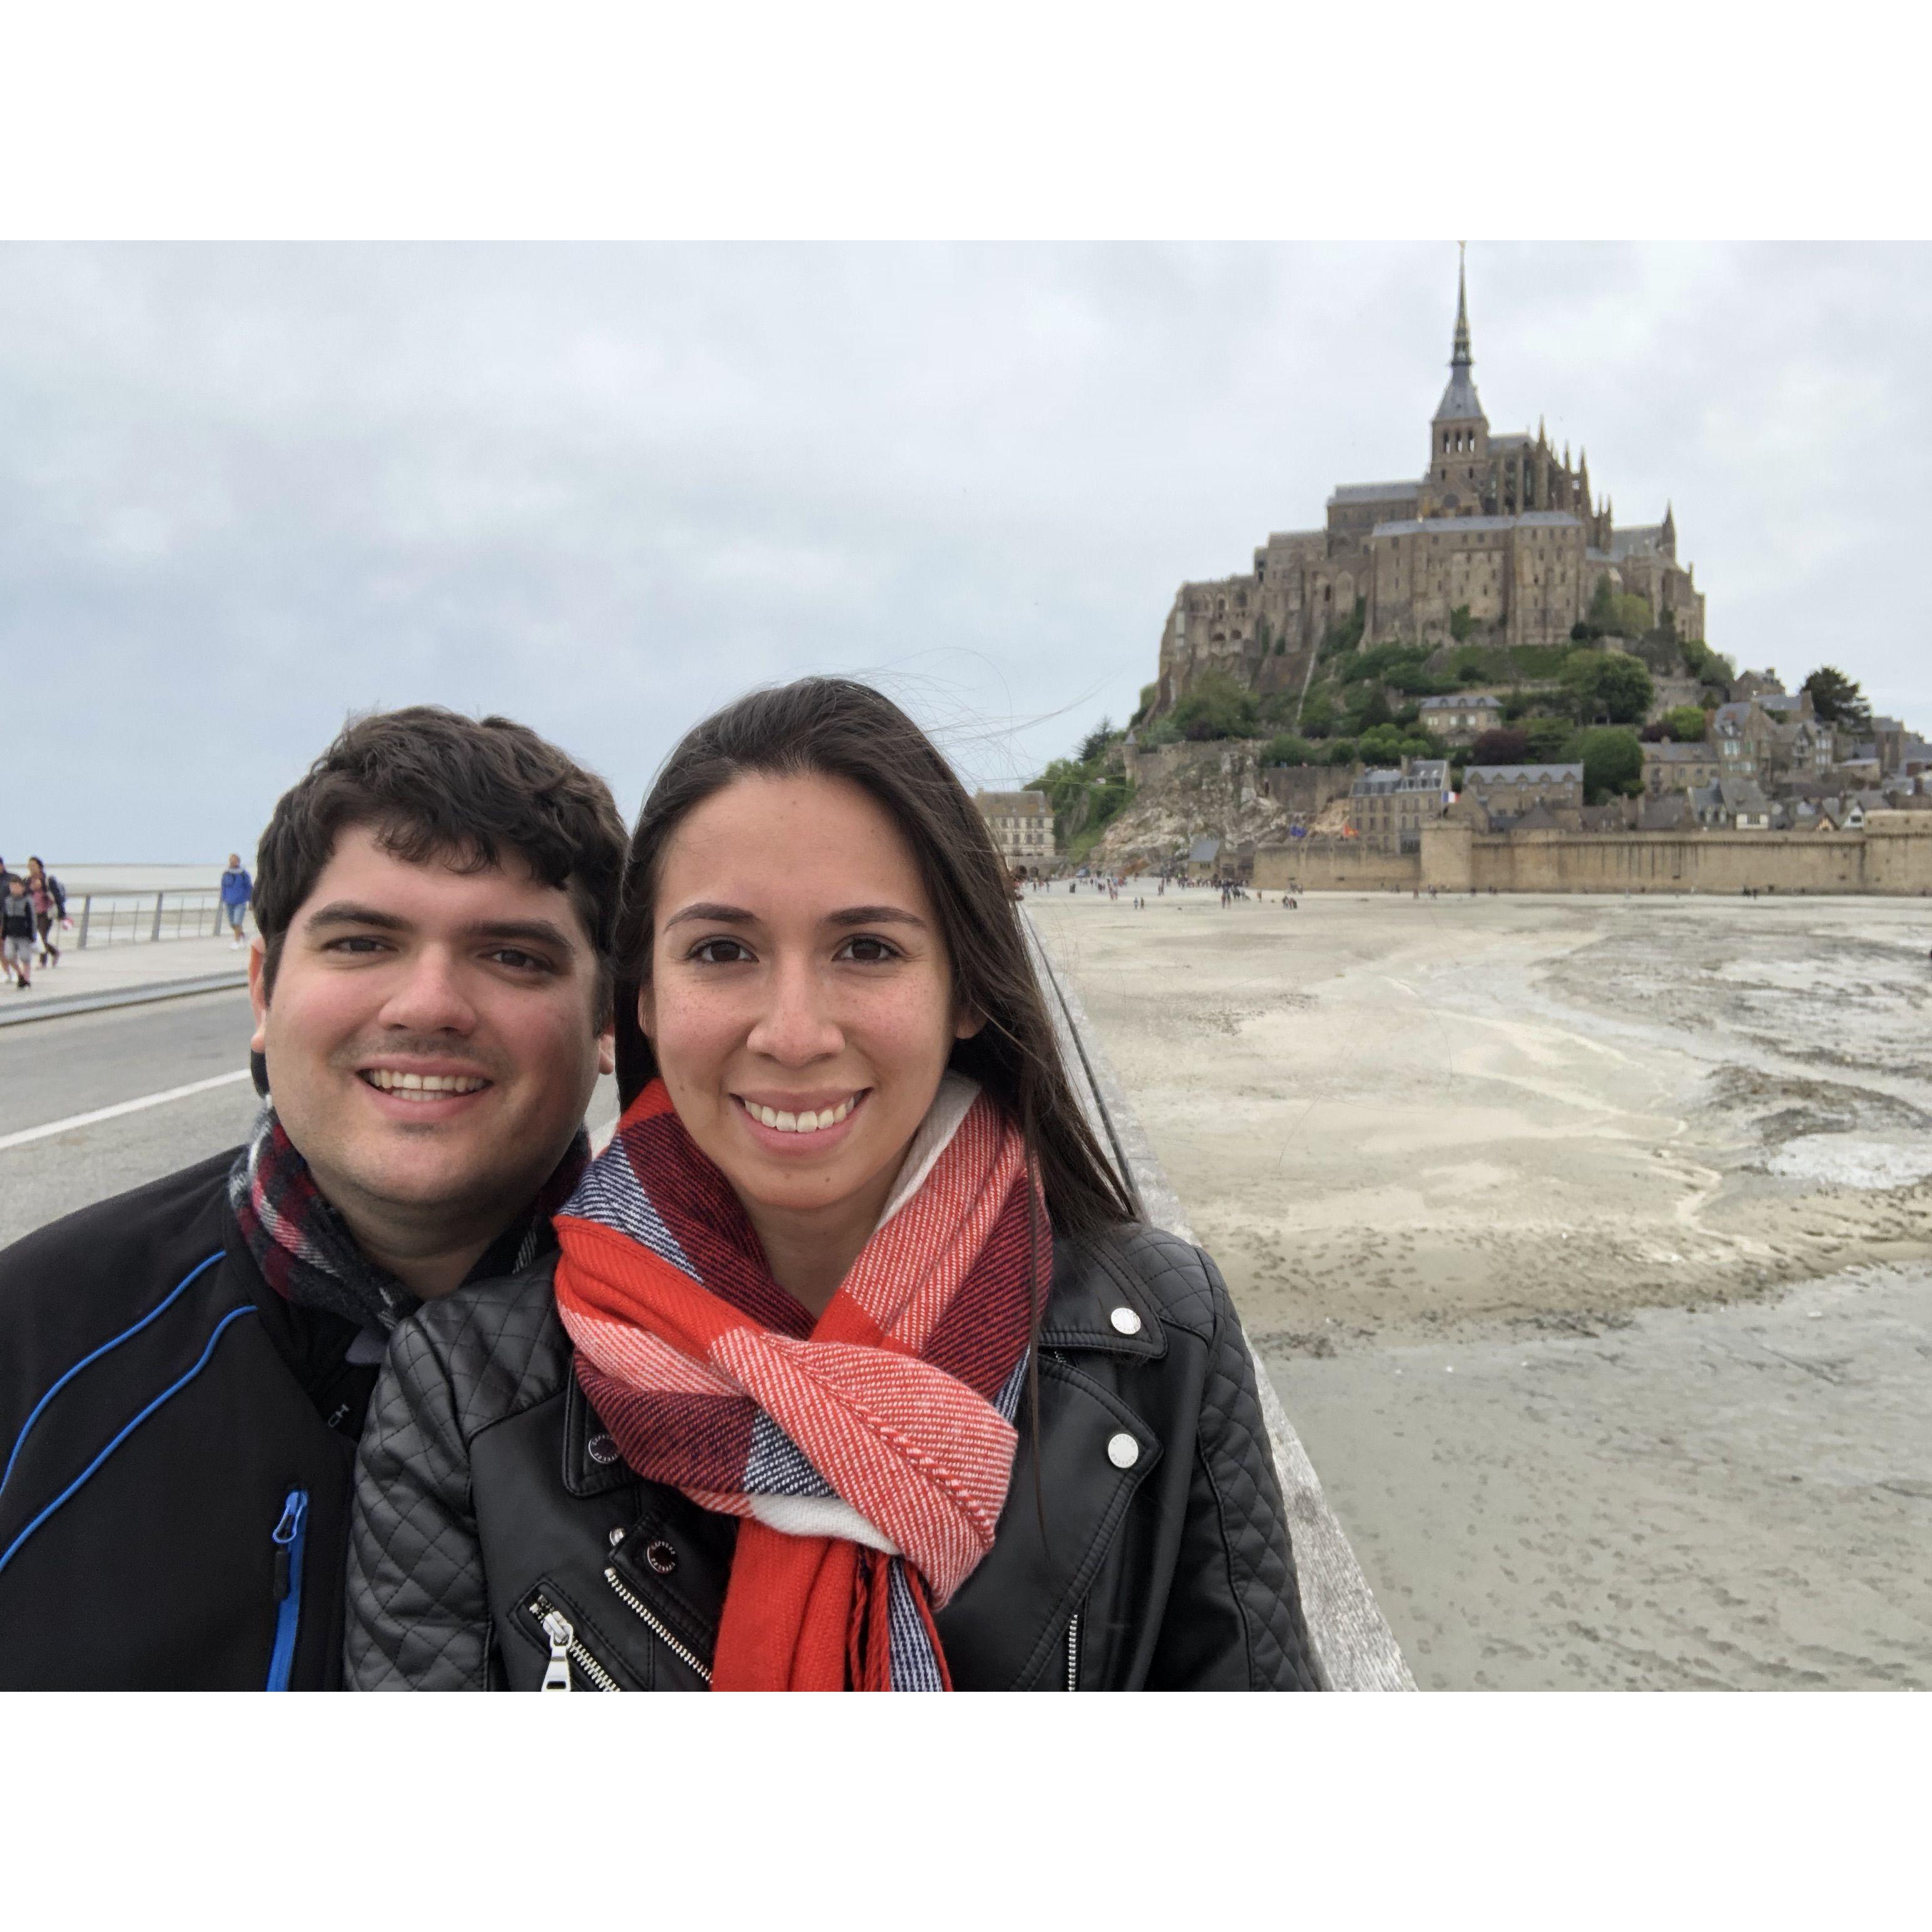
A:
868, 1452
308, 1256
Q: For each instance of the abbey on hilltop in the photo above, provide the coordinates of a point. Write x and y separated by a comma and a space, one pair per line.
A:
1498, 539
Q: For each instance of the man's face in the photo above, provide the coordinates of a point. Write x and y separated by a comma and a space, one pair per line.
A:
234, 860
432, 1040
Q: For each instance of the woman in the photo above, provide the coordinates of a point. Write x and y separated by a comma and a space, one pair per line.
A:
853, 1370
50, 909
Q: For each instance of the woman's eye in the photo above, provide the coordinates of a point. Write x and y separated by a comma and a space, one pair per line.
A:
864, 950
720, 952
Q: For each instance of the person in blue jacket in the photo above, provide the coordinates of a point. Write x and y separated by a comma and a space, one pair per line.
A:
184, 1368
237, 889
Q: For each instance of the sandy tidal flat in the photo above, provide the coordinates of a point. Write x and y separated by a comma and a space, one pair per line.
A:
1595, 1157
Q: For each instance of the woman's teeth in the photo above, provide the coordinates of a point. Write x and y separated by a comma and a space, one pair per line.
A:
807, 1122
424, 1086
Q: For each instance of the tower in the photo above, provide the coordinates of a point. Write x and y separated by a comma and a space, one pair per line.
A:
1458, 435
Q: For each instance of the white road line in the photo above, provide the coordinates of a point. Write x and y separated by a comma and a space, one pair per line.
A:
122, 1107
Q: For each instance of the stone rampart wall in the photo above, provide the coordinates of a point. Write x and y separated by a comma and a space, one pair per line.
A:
1339, 864
1892, 856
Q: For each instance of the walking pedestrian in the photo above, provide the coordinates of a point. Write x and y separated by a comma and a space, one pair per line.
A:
49, 898
17, 932
237, 889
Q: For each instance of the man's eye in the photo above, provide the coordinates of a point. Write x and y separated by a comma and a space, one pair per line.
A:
865, 950
720, 952
357, 942
519, 961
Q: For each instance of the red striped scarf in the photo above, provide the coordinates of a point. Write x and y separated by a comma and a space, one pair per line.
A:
867, 1453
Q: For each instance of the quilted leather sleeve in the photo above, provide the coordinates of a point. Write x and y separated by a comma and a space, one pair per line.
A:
1234, 1619
419, 1616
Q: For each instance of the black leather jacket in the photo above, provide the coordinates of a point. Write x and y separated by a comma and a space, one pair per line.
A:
498, 1537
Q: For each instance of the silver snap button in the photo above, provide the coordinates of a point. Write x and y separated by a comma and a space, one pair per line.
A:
602, 1448
616, 1537
1126, 1321
661, 1556
1123, 1451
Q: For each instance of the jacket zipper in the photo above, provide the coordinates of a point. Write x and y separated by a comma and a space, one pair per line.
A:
290, 1534
635, 1604
566, 1649
1073, 1651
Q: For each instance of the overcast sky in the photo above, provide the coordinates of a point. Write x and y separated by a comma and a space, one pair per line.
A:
246, 489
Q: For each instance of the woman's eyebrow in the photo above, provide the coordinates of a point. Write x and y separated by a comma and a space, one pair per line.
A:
874, 915
713, 915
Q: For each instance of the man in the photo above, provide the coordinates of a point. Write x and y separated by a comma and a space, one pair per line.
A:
184, 1369
237, 889
16, 931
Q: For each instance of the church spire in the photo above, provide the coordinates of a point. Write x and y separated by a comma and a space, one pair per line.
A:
1459, 357
1460, 403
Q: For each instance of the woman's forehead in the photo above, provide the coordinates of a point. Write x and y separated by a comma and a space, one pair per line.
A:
792, 840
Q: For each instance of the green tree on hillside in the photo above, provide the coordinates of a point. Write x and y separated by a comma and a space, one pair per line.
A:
1612, 763
1837, 700
1546, 738
1287, 749
1686, 723
1217, 707
1606, 687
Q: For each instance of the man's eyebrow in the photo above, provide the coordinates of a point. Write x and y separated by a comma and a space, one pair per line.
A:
346, 912
537, 931
710, 914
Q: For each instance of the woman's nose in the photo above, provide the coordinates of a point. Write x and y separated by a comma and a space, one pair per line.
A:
795, 1024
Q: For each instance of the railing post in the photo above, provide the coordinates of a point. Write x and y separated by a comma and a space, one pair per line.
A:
86, 908
157, 933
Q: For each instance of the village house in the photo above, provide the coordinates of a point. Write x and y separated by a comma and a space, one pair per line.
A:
1669, 767
1387, 808
1514, 789
1461, 719
1021, 823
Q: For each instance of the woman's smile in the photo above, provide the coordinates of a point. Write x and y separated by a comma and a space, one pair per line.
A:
798, 1127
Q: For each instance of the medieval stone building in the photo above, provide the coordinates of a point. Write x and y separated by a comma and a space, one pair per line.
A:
1498, 525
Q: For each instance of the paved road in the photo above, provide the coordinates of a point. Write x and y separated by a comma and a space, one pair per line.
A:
62, 1068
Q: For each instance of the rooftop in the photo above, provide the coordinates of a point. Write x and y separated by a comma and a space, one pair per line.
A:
1520, 774
1375, 493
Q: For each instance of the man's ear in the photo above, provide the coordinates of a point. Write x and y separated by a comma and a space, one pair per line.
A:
258, 993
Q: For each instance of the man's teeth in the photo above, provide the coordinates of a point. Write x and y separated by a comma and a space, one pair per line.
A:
807, 1122
424, 1086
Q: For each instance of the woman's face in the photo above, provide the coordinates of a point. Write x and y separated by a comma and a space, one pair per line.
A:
800, 999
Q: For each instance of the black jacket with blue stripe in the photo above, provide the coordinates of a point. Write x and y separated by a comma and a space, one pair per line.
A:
179, 1444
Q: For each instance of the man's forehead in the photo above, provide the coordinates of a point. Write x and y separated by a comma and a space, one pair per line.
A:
449, 885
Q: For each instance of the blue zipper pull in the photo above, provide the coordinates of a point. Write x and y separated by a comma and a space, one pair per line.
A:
286, 1532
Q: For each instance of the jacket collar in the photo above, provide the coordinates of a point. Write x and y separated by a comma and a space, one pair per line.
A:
1096, 1304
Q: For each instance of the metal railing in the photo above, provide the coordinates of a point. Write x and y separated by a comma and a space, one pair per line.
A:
130, 918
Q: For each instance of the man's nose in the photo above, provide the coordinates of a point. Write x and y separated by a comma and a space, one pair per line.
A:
429, 997
797, 1024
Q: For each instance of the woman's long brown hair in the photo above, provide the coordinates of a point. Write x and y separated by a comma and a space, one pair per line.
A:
835, 728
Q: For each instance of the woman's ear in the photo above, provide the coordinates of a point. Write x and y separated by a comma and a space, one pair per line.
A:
646, 1010
967, 1023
